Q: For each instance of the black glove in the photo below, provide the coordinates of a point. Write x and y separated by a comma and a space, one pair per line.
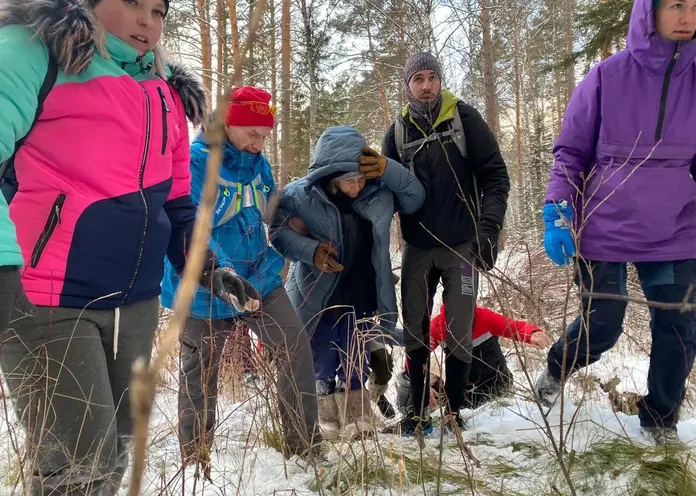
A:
485, 246
692, 169
230, 288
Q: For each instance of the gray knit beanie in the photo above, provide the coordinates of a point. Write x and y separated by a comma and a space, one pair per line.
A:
422, 61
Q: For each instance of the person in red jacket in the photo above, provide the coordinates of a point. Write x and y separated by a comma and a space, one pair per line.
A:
489, 376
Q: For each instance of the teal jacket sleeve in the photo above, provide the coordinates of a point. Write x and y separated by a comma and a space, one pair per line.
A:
290, 244
23, 66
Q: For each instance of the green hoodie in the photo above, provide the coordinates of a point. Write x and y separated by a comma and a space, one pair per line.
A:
447, 109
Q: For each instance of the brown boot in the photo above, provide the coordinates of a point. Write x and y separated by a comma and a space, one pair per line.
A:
328, 416
355, 414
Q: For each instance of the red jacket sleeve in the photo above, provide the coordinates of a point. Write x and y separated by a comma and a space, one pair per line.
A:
499, 325
438, 328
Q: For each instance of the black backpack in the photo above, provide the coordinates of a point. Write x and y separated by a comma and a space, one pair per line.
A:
8, 178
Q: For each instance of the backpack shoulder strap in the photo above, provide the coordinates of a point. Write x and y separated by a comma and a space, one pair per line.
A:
459, 136
8, 179
46, 87
399, 137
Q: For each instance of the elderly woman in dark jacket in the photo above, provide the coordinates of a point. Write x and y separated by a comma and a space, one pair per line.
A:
341, 271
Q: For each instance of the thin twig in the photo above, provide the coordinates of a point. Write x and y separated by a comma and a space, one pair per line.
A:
684, 305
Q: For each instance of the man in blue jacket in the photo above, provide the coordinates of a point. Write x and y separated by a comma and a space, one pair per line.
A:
240, 244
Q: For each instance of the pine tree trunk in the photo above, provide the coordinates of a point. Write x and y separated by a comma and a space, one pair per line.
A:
560, 103
401, 8
206, 48
286, 151
252, 74
489, 69
221, 38
310, 60
570, 70
274, 87
234, 32
518, 127
381, 83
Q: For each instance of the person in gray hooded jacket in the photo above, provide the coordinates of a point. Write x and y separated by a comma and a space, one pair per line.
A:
341, 272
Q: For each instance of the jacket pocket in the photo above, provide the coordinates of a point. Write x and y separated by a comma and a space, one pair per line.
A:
165, 111
51, 223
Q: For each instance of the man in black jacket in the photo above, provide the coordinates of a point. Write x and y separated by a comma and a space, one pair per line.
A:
455, 155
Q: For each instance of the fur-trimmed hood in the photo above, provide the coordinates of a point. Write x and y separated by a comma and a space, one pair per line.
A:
71, 32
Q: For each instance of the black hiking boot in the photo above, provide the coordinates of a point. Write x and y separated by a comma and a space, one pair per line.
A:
664, 436
449, 421
385, 407
411, 426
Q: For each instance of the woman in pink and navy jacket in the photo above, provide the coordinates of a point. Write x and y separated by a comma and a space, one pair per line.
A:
103, 195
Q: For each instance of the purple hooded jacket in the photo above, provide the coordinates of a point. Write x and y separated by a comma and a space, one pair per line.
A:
636, 104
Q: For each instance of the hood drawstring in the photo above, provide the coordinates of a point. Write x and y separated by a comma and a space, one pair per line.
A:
117, 322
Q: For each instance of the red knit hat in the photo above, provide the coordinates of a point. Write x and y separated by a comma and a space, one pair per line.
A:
250, 107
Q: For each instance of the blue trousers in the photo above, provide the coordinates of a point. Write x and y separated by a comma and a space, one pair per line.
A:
673, 331
339, 353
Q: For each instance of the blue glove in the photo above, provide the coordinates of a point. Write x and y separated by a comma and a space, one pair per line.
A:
558, 238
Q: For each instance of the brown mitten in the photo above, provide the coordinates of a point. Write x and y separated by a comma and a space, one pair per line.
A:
372, 164
324, 259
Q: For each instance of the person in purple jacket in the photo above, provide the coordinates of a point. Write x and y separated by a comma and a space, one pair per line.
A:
621, 179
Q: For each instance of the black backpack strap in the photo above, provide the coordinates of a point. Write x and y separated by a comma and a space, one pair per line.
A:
8, 178
429, 138
46, 87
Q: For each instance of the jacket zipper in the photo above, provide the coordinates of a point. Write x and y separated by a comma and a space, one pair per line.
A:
51, 223
141, 190
663, 96
165, 111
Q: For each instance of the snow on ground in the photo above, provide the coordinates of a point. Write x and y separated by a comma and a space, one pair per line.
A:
506, 437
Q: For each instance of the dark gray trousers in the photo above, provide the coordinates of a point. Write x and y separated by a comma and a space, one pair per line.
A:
459, 281
9, 287
282, 334
71, 392
200, 356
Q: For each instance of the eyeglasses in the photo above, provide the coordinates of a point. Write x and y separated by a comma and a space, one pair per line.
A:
259, 107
